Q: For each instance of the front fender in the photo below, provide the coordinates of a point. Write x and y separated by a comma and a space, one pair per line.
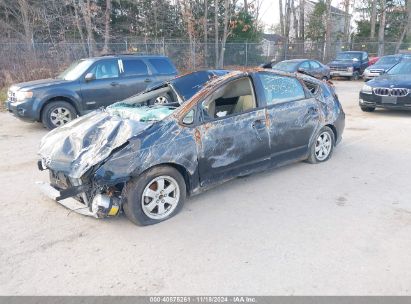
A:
168, 144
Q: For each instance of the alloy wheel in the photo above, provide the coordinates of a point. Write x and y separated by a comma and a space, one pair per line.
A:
60, 116
160, 197
323, 146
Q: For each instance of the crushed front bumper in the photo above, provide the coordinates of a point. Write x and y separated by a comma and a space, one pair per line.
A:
69, 202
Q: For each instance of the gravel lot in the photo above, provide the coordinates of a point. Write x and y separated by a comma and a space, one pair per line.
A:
342, 227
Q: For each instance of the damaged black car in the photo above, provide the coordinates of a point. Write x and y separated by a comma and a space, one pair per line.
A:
144, 158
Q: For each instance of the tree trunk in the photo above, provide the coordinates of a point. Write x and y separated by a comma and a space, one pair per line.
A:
85, 10
408, 6
373, 18
402, 36
107, 26
381, 29
80, 30
226, 32
216, 32
295, 21
347, 20
205, 29
280, 7
327, 53
302, 21
25, 19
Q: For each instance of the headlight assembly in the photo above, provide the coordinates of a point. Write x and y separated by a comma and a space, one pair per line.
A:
23, 95
366, 89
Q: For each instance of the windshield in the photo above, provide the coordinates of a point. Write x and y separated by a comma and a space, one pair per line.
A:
403, 67
76, 69
287, 66
388, 60
348, 56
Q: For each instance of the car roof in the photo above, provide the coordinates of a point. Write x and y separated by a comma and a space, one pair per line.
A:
295, 60
115, 56
354, 52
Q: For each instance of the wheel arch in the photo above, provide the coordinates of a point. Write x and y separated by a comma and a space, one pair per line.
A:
180, 168
334, 129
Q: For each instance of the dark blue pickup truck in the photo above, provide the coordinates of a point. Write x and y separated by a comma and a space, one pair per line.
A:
349, 64
86, 85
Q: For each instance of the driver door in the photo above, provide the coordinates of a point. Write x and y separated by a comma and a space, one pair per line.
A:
105, 88
233, 137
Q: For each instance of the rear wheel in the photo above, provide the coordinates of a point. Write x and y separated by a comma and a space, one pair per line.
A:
57, 113
155, 196
322, 148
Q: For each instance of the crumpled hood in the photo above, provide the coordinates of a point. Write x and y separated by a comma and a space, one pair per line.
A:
77, 146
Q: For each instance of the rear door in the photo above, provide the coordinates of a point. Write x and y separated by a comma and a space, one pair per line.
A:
135, 76
162, 68
293, 116
105, 88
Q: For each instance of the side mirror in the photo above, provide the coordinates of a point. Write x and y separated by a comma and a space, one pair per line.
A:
301, 70
89, 77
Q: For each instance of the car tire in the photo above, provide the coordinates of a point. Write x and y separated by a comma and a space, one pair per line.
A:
57, 113
145, 204
355, 76
367, 109
325, 78
162, 99
323, 146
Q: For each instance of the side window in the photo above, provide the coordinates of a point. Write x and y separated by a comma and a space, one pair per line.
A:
364, 56
162, 66
134, 67
315, 64
105, 69
233, 98
279, 89
305, 65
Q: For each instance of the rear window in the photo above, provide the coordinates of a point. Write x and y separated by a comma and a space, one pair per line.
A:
134, 67
162, 66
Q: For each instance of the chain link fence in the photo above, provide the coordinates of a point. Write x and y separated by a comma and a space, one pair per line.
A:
22, 62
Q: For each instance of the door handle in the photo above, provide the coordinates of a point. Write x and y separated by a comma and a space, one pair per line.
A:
147, 80
312, 110
258, 124
114, 84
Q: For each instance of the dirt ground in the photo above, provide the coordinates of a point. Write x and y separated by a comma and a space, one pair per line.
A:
342, 227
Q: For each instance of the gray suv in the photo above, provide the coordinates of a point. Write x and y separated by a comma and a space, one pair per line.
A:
86, 85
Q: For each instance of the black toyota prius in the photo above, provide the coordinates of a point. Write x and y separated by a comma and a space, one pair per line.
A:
145, 157
391, 90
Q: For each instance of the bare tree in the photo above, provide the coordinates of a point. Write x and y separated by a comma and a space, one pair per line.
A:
205, 30
373, 18
107, 26
226, 32
86, 11
327, 52
280, 7
216, 27
302, 20
347, 19
381, 29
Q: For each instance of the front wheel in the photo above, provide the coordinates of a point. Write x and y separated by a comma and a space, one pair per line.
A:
57, 113
155, 196
323, 146
367, 109
355, 76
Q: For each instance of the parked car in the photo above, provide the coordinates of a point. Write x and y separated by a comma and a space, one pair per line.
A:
390, 90
308, 66
349, 64
373, 60
87, 85
145, 159
382, 65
